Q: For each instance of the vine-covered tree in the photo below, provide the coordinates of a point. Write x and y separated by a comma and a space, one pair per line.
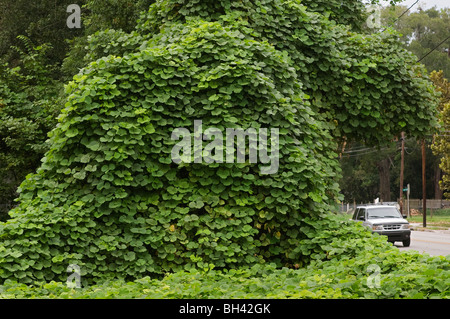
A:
108, 196
367, 177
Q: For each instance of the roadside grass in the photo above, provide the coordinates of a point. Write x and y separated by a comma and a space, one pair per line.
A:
436, 219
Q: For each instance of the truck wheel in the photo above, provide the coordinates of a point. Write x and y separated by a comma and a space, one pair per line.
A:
407, 242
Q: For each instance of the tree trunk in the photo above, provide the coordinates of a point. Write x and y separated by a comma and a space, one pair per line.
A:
385, 184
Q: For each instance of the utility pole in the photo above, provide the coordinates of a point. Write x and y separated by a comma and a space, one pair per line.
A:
402, 168
424, 185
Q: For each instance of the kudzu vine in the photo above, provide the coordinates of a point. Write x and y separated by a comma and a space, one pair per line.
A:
108, 196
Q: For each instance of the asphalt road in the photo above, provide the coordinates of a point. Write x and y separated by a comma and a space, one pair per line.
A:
432, 243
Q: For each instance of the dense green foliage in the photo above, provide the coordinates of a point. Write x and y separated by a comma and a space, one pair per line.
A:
107, 15
352, 79
330, 280
115, 201
350, 273
42, 21
38, 53
29, 98
421, 31
108, 197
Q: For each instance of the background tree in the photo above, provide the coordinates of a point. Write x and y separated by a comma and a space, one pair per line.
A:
422, 31
42, 22
113, 16
29, 103
38, 53
368, 173
34, 41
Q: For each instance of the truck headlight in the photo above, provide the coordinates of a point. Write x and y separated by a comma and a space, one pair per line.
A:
405, 226
377, 227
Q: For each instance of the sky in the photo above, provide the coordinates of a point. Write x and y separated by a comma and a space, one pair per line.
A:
426, 4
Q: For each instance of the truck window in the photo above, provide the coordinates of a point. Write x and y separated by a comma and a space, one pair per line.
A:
355, 214
361, 213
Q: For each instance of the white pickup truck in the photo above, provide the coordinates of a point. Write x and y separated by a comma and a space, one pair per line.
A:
384, 220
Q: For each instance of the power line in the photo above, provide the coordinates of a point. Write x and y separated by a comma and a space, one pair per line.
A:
434, 49
358, 150
407, 10
361, 154
402, 15
364, 150
368, 151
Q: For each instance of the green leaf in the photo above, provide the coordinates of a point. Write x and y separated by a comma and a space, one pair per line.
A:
80, 175
93, 145
72, 132
149, 129
85, 158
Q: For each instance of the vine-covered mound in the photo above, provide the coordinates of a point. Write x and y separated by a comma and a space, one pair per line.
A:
109, 197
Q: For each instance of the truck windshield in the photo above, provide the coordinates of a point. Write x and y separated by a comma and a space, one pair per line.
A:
384, 212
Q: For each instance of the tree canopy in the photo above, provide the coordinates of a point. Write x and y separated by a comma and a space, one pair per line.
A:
370, 172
